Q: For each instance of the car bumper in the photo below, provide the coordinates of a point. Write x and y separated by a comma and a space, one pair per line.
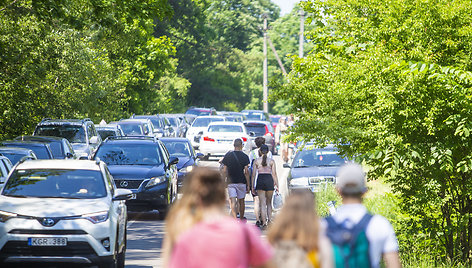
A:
147, 199
313, 187
214, 148
83, 241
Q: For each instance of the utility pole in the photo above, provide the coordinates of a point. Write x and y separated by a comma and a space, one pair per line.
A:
302, 30
265, 83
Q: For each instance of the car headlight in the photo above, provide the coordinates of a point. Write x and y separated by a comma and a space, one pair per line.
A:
155, 180
97, 217
4, 216
299, 181
189, 168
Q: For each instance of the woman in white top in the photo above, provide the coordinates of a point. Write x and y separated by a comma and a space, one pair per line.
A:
266, 181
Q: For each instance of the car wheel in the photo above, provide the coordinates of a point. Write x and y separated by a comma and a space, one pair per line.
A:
120, 259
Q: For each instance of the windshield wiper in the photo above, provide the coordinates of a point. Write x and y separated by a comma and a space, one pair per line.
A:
301, 166
16, 195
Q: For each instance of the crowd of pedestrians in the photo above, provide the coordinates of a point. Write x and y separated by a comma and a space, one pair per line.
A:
201, 233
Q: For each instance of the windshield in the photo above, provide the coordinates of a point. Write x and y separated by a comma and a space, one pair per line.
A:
105, 133
75, 134
205, 121
173, 121
129, 154
258, 129
178, 148
55, 183
255, 116
317, 157
275, 120
135, 129
225, 128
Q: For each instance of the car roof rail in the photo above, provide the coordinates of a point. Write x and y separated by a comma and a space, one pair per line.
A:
46, 119
133, 115
131, 138
86, 119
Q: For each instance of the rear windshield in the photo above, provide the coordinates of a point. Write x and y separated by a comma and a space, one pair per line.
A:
205, 121
55, 183
225, 128
198, 112
132, 129
258, 129
105, 133
75, 134
129, 154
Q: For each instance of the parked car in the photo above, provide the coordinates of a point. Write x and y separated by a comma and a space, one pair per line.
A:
142, 165
256, 115
219, 138
40, 149
81, 133
182, 149
314, 168
5, 167
62, 211
199, 125
200, 111
262, 129
161, 127
17, 154
108, 130
60, 147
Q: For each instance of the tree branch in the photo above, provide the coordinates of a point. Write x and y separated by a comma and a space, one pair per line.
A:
12, 3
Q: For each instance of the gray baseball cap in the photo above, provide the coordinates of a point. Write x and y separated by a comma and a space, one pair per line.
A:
351, 179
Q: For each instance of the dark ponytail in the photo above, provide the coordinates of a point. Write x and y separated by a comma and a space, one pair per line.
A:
264, 160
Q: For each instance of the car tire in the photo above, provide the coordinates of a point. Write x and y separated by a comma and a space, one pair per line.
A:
120, 258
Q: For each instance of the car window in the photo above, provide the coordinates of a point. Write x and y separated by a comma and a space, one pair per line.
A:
55, 183
205, 121
129, 154
132, 129
105, 133
110, 181
14, 158
56, 149
258, 129
7, 164
75, 134
173, 121
90, 132
225, 128
3, 170
310, 158
178, 148
40, 151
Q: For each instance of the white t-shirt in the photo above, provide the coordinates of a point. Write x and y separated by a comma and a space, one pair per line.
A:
379, 231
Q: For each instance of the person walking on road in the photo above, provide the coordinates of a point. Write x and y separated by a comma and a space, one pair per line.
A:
253, 155
236, 168
280, 132
296, 236
266, 183
359, 239
200, 234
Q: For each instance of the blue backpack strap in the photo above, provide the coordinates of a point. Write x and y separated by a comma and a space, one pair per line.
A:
361, 226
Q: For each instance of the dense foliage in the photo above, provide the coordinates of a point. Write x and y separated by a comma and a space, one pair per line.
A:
390, 81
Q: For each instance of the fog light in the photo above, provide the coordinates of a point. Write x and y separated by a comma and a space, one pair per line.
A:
106, 243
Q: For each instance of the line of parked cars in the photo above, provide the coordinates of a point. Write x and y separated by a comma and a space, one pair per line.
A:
67, 188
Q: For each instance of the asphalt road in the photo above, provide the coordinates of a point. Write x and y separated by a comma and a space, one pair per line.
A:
146, 230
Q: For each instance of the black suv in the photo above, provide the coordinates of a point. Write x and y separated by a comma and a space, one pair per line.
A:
141, 164
81, 133
60, 147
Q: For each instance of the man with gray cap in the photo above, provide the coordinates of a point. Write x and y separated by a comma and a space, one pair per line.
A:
359, 239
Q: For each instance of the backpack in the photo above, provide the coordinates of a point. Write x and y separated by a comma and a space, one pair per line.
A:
350, 246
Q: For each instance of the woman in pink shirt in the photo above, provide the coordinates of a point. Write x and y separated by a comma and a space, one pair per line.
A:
199, 233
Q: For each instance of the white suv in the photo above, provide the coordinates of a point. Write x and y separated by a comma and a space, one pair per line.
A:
63, 211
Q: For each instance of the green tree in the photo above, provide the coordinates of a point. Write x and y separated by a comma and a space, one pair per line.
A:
391, 82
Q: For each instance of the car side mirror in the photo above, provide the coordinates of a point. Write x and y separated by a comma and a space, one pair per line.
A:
200, 156
69, 155
94, 140
173, 161
122, 194
252, 134
286, 165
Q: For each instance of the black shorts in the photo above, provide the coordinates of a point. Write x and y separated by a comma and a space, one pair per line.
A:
265, 182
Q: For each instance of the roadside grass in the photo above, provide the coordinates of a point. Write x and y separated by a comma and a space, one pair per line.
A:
380, 200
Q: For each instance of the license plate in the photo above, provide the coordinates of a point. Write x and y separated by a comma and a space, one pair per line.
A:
225, 141
47, 241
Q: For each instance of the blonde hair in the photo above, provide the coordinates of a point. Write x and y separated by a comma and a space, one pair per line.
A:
297, 221
203, 188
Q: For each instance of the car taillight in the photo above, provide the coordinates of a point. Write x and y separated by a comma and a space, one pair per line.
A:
244, 139
208, 139
267, 132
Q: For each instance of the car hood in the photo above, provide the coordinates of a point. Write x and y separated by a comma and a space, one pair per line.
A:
136, 171
314, 171
185, 162
53, 207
